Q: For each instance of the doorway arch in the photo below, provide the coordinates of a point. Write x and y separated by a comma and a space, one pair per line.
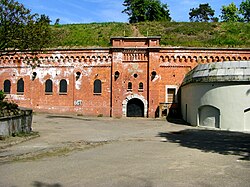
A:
135, 106
209, 116
247, 119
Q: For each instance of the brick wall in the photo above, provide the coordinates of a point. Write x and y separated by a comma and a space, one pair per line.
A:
135, 60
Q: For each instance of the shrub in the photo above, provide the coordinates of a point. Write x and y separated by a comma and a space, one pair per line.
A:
2, 95
7, 108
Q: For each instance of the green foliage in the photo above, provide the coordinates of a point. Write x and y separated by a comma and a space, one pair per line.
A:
7, 108
88, 35
203, 13
190, 34
230, 13
146, 10
19, 29
57, 21
233, 34
245, 10
2, 95
4, 105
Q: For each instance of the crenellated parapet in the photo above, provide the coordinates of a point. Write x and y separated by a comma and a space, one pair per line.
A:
167, 57
54, 58
189, 56
200, 59
135, 55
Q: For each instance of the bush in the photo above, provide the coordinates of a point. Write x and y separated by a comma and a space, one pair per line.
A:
7, 108
2, 95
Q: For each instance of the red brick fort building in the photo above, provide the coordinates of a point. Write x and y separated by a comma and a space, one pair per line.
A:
135, 77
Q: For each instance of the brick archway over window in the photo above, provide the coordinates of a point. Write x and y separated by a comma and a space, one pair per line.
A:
134, 96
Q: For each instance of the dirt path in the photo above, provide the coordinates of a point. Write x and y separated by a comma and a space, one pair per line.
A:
136, 32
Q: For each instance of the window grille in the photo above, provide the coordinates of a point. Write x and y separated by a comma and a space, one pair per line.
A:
171, 95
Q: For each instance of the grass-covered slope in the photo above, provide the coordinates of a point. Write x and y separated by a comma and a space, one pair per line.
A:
172, 34
88, 35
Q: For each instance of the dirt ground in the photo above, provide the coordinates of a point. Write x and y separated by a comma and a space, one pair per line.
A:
85, 151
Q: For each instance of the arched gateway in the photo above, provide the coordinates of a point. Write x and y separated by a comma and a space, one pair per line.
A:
135, 106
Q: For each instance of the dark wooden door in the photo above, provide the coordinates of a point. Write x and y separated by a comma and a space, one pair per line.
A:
135, 108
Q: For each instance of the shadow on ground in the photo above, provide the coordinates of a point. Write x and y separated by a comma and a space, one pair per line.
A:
66, 117
222, 142
175, 120
41, 184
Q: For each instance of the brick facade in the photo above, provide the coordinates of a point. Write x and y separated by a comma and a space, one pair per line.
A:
134, 72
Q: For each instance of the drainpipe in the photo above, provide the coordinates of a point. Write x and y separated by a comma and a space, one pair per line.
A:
111, 85
74, 86
148, 79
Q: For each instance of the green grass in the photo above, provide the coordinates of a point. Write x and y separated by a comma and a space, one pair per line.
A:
89, 35
184, 34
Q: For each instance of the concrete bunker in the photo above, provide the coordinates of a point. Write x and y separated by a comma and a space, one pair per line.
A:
216, 95
209, 116
247, 119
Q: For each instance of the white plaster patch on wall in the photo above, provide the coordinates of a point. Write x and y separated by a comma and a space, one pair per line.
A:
87, 72
13, 78
118, 57
10, 73
26, 71
16, 97
78, 83
68, 72
16, 74
156, 78
43, 72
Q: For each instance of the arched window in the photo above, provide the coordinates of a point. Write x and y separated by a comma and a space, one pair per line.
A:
48, 86
20, 86
6, 86
97, 86
130, 86
140, 86
63, 86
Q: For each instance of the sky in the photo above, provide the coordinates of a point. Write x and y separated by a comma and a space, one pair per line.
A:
88, 11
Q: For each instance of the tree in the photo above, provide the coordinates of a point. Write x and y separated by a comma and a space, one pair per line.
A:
245, 10
204, 13
21, 30
230, 13
57, 21
146, 10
